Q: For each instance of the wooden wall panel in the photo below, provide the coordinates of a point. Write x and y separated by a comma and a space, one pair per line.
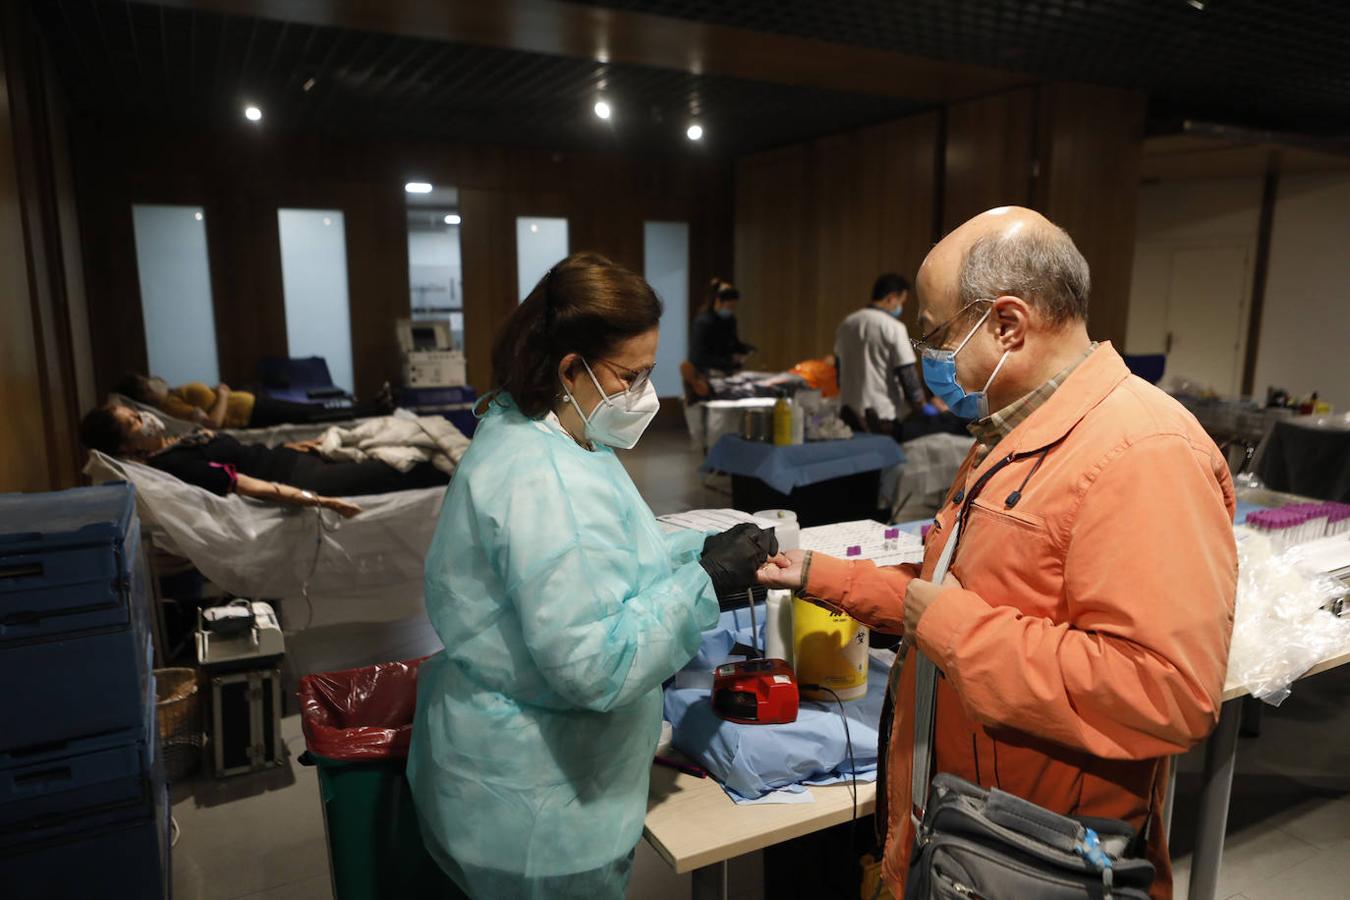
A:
39, 380
23, 443
1091, 153
242, 179
989, 155
816, 223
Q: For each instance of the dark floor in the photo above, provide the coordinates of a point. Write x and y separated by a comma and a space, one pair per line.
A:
1289, 831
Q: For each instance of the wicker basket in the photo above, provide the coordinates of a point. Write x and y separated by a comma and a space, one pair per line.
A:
180, 721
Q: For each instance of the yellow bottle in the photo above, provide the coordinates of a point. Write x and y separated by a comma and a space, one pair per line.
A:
782, 423
828, 649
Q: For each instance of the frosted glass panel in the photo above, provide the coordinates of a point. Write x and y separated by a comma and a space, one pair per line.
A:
314, 278
665, 254
180, 325
435, 271
539, 244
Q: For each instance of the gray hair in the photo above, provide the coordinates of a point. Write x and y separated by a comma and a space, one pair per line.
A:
1040, 265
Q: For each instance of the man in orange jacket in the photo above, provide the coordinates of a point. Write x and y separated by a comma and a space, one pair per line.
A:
1083, 629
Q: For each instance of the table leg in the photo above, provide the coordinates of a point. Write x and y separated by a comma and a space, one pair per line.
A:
710, 882
1216, 788
1170, 797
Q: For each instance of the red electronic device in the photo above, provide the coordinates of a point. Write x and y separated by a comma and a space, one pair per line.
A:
755, 692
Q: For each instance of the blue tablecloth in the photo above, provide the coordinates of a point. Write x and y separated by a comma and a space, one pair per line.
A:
786, 468
752, 760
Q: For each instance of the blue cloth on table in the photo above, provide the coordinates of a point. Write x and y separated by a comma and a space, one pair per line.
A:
786, 468
1243, 508
752, 760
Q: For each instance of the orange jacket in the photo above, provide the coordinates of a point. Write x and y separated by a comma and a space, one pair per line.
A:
1089, 639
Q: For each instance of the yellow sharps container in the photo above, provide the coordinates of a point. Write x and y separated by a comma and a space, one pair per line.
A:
828, 649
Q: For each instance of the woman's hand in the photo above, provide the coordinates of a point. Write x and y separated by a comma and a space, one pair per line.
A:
783, 572
304, 446
733, 557
344, 508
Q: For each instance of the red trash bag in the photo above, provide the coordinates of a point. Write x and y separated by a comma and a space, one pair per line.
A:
360, 714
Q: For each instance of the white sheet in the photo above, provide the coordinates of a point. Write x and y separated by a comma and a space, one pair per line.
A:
366, 569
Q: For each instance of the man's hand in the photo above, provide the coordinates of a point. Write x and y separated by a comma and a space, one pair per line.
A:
783, 572
919, 597
222, 389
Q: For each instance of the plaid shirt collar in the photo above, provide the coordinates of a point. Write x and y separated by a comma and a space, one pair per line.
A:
994, 427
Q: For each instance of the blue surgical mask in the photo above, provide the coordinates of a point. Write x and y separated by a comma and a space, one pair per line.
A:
939, 373
897, 311
724, 313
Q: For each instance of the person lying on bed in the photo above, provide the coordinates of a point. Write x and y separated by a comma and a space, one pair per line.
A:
292, 474
223, 407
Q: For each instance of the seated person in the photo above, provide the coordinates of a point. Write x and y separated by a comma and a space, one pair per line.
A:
223, 407
293, 475
715, 345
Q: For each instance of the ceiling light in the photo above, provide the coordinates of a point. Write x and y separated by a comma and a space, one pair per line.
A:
308, 85
1197, 4
417, 187
534, 229
694, 133
197, 216
252, 113
327, 221
453, 219
602, 109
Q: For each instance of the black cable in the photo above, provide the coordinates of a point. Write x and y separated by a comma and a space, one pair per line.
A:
852, 764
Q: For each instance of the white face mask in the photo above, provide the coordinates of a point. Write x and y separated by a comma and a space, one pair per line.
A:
152, 426
618, 420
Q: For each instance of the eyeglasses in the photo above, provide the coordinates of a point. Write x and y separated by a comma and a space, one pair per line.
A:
934, 339
633, 379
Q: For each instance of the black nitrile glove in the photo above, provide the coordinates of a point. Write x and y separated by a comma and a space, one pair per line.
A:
732, 558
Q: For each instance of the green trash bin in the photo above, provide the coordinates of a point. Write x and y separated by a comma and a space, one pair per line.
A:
357, 724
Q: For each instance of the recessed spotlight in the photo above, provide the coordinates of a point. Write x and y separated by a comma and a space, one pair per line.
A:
252, 113
602, 109
534, 229
308, 85
417, 187
453, 219
327, 220
197, 216
694, 133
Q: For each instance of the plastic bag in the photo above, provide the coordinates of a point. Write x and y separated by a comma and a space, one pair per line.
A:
360, 714
1282, 626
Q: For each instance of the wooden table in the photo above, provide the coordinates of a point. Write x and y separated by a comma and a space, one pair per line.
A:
1216, 785
694, 825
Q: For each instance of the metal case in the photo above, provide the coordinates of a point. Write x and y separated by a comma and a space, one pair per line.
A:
246, 721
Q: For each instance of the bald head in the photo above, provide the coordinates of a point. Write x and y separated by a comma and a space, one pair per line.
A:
1009, 250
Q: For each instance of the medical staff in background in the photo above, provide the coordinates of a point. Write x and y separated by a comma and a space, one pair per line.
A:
561, 604
715, 345
878, 375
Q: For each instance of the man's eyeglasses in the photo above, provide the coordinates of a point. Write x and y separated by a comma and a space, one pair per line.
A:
934, 339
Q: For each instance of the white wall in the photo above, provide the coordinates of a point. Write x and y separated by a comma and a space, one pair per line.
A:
1305, 323
434, 258
314, 280
540, 243
1182, 214
175, 278
665, 255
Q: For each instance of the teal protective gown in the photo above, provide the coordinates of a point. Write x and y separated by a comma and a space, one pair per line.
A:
562, 608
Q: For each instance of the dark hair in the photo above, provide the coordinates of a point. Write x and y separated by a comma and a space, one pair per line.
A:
135, 386
721, 289
101, 430
887, 284
1040, 265
586, 304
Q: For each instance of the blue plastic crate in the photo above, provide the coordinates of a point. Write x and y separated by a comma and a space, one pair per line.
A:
454, 403
74, 615
127, 858
99, 780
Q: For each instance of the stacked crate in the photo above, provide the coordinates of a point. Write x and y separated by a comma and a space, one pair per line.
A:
83, 801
